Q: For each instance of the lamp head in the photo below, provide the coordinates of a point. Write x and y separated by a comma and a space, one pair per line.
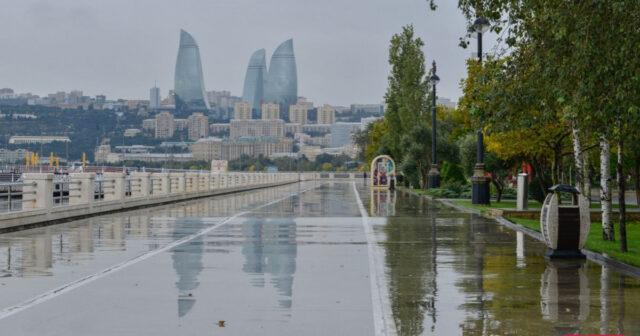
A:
481, 25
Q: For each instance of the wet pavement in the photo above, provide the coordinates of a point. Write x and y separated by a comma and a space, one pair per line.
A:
301, 260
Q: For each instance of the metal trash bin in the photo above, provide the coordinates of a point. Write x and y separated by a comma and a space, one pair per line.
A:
565, 228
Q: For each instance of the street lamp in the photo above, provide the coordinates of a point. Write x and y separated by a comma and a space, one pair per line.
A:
480, 191
434, 172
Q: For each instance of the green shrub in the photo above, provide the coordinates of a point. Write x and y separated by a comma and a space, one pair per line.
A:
452, 173
509, 193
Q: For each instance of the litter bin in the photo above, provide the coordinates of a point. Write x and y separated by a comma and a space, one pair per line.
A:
565, 228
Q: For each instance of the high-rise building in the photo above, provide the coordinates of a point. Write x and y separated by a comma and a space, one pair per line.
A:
298, 114
198, 126
326, 114
282, 79
164, 125
154, 97
253, 91
189, 82
242, 110
270, 111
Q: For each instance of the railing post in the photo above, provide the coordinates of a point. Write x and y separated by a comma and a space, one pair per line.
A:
206, 181
165, 183
144, 184
180, 187
81, 188
118, 191
191, 182
214, 182
37, 191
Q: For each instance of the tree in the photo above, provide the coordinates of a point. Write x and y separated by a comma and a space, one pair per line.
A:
417, 146
586, 63
406, 96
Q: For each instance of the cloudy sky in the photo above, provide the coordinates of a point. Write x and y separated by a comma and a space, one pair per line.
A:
120, 47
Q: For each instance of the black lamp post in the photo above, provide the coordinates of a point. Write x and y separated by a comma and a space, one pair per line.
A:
434, 172
480, 191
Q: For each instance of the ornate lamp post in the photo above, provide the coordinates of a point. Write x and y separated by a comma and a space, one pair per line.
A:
434, 172
480, 191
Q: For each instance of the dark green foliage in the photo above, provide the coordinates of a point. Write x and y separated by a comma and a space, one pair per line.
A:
452, 172
451, 190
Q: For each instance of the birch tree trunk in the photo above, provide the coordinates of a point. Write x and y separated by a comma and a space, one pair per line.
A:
621, 200
577, 158
605, 190
583, 182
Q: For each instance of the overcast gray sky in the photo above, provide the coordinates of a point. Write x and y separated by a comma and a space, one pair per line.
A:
119, 47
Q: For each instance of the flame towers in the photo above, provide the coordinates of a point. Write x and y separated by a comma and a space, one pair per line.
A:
188, 81
254, 80
278, 85
282, 81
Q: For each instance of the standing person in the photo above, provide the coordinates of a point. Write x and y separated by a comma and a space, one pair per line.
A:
364, 178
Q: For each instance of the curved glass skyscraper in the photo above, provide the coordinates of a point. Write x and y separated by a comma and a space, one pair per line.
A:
189, 82
282, 81
254, 80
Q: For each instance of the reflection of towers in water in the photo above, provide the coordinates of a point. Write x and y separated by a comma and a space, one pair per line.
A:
565, 295
187, 262
270, 248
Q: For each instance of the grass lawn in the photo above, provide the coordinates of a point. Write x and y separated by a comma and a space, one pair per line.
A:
595, 242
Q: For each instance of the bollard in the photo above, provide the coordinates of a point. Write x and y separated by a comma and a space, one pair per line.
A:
81, 189
117, 191
144, 184
37, 191
523, 192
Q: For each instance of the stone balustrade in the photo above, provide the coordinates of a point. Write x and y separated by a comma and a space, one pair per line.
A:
88, 194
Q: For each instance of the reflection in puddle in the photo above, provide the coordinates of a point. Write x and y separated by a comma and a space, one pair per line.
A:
270, 249
451, 273
564, 292
187, 263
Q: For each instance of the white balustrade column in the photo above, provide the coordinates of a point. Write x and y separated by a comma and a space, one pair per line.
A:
143, 181
37, 191
117, 190
165, 183
180, 188
191, 182
205, 181
81, 188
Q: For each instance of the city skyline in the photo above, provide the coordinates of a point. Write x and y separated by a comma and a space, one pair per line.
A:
120, 58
